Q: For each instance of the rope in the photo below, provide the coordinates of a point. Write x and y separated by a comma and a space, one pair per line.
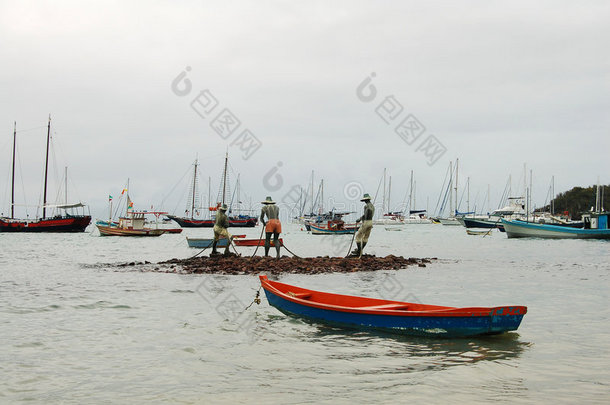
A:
200, 252
490, 229
350, 245
256, 299
290, 251
257, 245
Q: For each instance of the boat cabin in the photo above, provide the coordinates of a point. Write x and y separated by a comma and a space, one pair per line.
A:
596, 220
135, 221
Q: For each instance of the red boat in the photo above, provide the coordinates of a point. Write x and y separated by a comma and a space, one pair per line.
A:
55, 224
391, 316
254, 242
68, 222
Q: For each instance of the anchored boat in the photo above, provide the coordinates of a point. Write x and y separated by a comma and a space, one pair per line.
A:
391, 316
71, 220
333, 228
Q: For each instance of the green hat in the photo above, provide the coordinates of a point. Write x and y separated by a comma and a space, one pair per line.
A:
223, 207
268, 200
366, 197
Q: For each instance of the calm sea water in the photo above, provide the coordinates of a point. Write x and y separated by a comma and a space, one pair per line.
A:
75, 329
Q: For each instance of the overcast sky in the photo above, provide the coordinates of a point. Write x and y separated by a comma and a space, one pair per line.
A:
496, 84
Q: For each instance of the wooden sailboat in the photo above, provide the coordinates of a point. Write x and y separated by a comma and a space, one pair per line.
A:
192, 222
69, 221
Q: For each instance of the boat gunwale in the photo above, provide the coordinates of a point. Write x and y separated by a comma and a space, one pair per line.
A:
439, 311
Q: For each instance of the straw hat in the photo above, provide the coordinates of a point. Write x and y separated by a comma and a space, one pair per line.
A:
366, 197
223, 207
268, 200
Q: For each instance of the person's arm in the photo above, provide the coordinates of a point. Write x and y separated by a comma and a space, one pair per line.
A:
263, 216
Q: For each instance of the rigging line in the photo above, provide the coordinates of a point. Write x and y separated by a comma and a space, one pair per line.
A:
377, 192
436, 209
30, 129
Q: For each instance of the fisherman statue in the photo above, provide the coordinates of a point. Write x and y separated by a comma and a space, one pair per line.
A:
362, 237
272, 226
220, 229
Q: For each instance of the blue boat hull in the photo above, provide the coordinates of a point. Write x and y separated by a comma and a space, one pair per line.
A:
206, 243
437, 326
520, 229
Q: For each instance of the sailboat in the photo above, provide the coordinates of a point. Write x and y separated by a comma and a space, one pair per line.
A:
451, 190
234, 220
388, 217
69, 221
415, 216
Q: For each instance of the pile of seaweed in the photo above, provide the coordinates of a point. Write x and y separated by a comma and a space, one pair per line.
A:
268, 265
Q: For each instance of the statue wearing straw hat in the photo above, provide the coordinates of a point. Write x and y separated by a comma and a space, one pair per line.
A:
362, 237
272, 226
220, 229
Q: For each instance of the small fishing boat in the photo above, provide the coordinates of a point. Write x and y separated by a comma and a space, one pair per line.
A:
472, 232
202, 243
391, 316
207, 242
333, 230
254, 242
130, 225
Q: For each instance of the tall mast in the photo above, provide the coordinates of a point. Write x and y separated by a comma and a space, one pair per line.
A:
410, 194
238, 192
13, 175
414, 193
450, 188
597, 204
322, 196
209, 194
224, 178
524, 177
488, 199
128, 199
389, 194
552, 195
312, 208
457, 162
383, 201
194, 189
46, 169
530, 202
468, 194
66, 185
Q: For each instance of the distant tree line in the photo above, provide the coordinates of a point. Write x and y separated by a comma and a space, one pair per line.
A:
578, 200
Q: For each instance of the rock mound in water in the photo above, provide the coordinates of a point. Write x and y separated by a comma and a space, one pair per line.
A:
307, 265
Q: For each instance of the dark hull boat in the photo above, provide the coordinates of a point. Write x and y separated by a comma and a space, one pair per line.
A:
57, 224
482, 223
235, 221
391, 316
69, 222
209, 223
